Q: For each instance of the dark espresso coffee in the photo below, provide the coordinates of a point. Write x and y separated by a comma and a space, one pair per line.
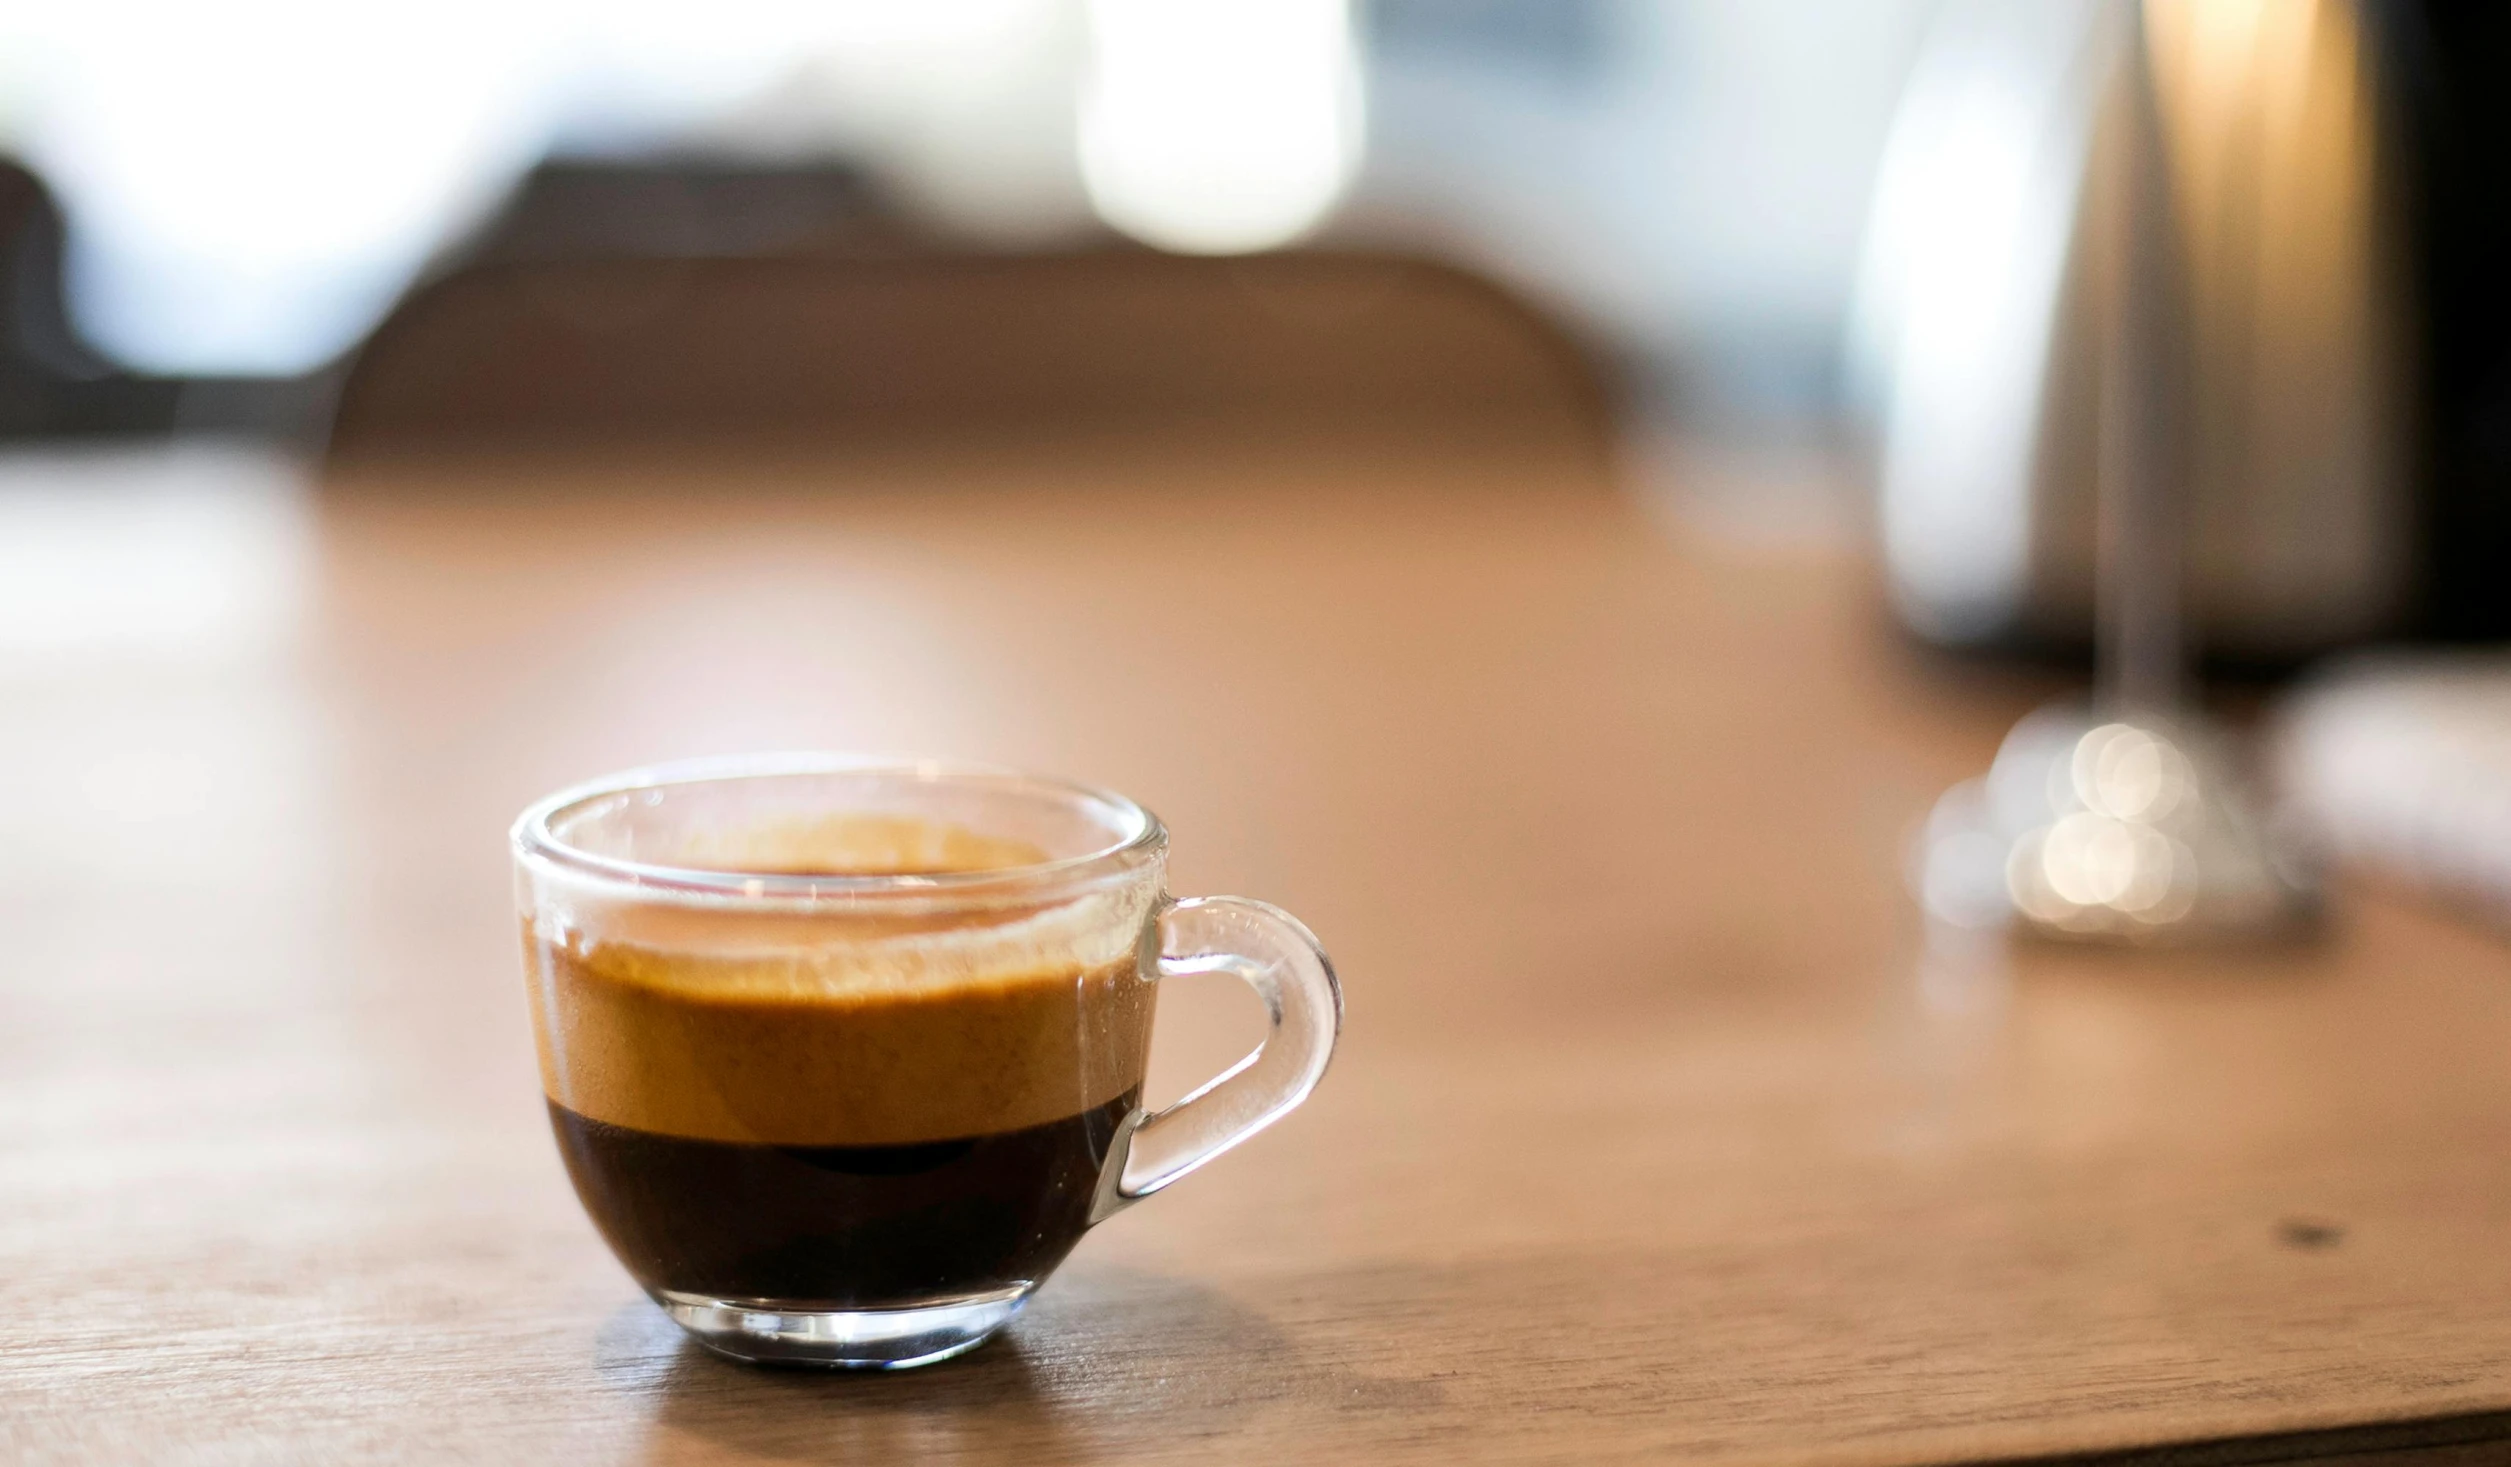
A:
848, 1227
848, 1111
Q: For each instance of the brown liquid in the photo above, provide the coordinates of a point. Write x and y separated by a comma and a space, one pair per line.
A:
861, 1110
841, 1227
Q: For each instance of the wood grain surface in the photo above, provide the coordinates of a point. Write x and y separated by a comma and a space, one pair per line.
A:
1662, 1131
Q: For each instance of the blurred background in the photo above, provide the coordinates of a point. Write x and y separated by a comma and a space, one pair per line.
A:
1728, 216
211, 214
1822, 272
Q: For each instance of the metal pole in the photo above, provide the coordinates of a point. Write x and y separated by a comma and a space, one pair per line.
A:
2140, 652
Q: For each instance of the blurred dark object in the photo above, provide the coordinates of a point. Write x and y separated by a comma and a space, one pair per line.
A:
694, 209
50, 384
2454, 60
2340, 169
627, 308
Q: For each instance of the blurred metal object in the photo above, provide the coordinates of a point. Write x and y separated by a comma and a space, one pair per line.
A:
1977, 339
2141, 452
2131, 822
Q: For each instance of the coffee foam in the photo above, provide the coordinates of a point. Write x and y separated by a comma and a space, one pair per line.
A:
851, 845
844, 957
837, 1024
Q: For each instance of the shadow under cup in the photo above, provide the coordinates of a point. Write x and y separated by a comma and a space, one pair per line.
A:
844, 1059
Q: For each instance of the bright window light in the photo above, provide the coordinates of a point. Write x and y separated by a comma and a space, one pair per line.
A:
1219, 126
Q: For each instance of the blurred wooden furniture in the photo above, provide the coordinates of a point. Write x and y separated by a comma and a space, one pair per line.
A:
869, 343
1662, 1132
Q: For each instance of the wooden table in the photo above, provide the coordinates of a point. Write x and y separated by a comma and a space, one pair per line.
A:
1660, 1131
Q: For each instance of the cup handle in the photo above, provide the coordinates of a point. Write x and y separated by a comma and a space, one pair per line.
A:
1273, 953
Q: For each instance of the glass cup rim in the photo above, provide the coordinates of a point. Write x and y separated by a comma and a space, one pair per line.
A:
534, 841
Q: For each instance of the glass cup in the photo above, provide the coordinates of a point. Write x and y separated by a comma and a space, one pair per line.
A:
843, 1058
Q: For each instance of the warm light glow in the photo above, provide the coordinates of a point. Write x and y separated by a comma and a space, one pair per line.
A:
1219, 126
2112, 851
2127, 773
2274, 137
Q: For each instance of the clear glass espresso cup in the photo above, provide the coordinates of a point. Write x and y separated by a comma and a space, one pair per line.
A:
843, 1058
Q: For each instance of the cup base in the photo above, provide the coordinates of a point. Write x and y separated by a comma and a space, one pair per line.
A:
774, 1332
